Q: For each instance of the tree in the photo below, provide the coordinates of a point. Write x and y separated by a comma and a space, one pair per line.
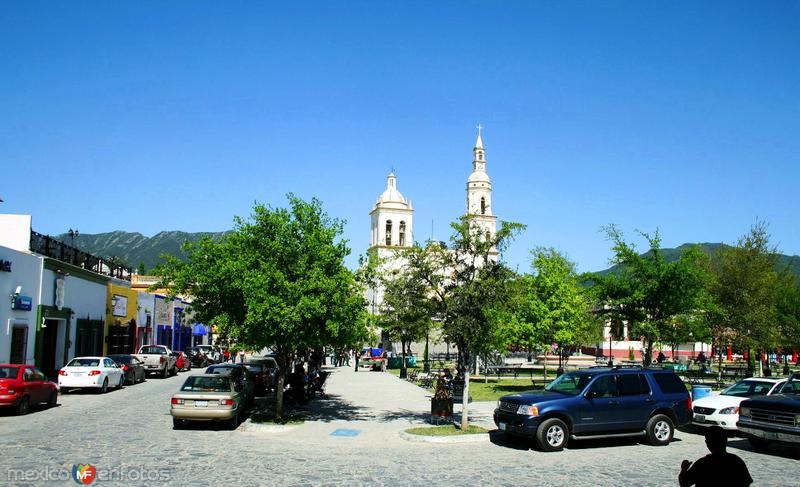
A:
554, 307
745, 289
405, 310
648, 292
277, 281
466, 283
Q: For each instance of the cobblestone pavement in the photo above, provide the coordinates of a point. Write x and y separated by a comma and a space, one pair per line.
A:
129, 432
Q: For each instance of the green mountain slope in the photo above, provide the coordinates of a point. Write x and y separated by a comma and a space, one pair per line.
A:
135, 248
671, 255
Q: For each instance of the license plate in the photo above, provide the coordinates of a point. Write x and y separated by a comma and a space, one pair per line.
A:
770, 435
699, 418
502, 426
76, 374
201, 404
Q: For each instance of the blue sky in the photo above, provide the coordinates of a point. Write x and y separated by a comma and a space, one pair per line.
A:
153, 116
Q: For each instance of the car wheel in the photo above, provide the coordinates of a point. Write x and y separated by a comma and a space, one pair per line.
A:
233, 423
759, 444
24, 406
174, 370
177, 423
165, 373
552, 435
104, 387
121, 382
53, 401
660, 430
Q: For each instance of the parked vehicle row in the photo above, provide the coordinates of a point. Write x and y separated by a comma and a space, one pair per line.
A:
221, 394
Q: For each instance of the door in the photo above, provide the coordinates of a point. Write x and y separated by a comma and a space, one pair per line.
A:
635, 399
600, 411
49, 340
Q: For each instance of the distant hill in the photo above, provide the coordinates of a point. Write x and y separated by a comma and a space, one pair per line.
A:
135, 248
710, 249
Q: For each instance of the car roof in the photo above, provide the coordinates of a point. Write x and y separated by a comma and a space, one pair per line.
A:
764, 379
208, 375
90, 357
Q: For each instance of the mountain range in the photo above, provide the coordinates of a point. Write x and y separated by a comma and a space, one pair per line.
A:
137, 249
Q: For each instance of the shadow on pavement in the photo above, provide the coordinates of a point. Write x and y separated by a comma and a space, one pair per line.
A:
775, 449
507, 441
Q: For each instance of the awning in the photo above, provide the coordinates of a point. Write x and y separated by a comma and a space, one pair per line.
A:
199, 329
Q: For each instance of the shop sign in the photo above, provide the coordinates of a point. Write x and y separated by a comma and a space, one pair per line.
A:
119, 305
22, 303
60, 292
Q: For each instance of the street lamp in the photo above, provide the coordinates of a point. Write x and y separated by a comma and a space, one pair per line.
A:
72, 234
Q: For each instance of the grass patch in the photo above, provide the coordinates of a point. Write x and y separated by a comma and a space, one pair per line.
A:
446, 430
494, 389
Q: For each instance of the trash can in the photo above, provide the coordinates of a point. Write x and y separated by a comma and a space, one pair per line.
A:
395, 362
700, 391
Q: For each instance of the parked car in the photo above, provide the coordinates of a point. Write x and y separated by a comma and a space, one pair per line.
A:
23, 386
90, 372
271, 370
772, 419
208, 397
197, 357
158, 359
131, 366
607, 402
723, 410
212, 353
182, 361
240, 376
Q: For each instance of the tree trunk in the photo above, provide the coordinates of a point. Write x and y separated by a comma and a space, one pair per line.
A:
465, 402
544, 366
279, 398
427, 364
403, 370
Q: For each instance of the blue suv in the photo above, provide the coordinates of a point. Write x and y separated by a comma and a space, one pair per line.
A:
598, 402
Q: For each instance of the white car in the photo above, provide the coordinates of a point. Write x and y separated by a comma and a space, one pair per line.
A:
723, 410
92, 372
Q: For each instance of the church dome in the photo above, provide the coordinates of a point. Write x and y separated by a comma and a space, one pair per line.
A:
391, 197
478, 177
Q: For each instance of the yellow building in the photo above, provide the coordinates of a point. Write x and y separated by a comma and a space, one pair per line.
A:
121, 312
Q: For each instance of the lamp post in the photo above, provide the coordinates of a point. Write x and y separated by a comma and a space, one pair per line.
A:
72, 234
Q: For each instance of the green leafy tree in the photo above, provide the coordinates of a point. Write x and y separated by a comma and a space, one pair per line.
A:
745, 289
648, 292
553, 306
405, 311
277, 281
788, 304
466, 283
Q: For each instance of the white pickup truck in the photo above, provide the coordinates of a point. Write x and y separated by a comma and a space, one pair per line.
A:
158, 359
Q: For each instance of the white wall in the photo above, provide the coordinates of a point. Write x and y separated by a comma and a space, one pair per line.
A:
26, 271
84, 298
146, 304
15, 232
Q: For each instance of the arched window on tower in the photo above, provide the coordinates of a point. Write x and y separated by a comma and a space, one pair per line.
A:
402, 238
388, 232
483, 205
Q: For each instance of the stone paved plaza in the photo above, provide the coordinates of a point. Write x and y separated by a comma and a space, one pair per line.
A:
130, 432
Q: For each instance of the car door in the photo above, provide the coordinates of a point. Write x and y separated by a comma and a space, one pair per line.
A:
113, 372
636, 401
600, 409
30, 385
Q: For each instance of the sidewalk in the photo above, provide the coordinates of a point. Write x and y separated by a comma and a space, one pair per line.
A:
374, 406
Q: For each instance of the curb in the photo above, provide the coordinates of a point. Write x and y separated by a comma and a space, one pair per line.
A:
472, 438
250, 427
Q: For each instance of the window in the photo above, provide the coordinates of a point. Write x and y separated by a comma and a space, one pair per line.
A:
483, 205
605, 386
632, 385
402, 239
388, 232
669, 383
19, 344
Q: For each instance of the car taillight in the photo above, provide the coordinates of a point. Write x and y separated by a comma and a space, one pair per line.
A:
226, 402
689, 403
125, 367
94, 372
177, 401
62, 372
161, 359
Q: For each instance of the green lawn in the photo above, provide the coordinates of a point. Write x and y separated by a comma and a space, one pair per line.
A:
446, 430
494, 389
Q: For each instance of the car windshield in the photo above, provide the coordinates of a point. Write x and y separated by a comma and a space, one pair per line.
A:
255, 368
8, 372
219, 370
792, 386
153, 350
120, 359
570, 384
206, 384
84, 362
748, 388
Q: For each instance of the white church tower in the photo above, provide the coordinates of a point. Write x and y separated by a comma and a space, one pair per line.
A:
392, 220
479, 191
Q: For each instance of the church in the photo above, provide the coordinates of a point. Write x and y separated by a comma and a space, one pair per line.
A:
392, 217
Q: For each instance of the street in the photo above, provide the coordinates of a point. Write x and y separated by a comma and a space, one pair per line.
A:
127, 435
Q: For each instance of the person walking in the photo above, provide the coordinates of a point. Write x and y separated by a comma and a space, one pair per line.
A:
718, 468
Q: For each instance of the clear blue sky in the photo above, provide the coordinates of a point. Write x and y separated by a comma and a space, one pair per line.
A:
151, 116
